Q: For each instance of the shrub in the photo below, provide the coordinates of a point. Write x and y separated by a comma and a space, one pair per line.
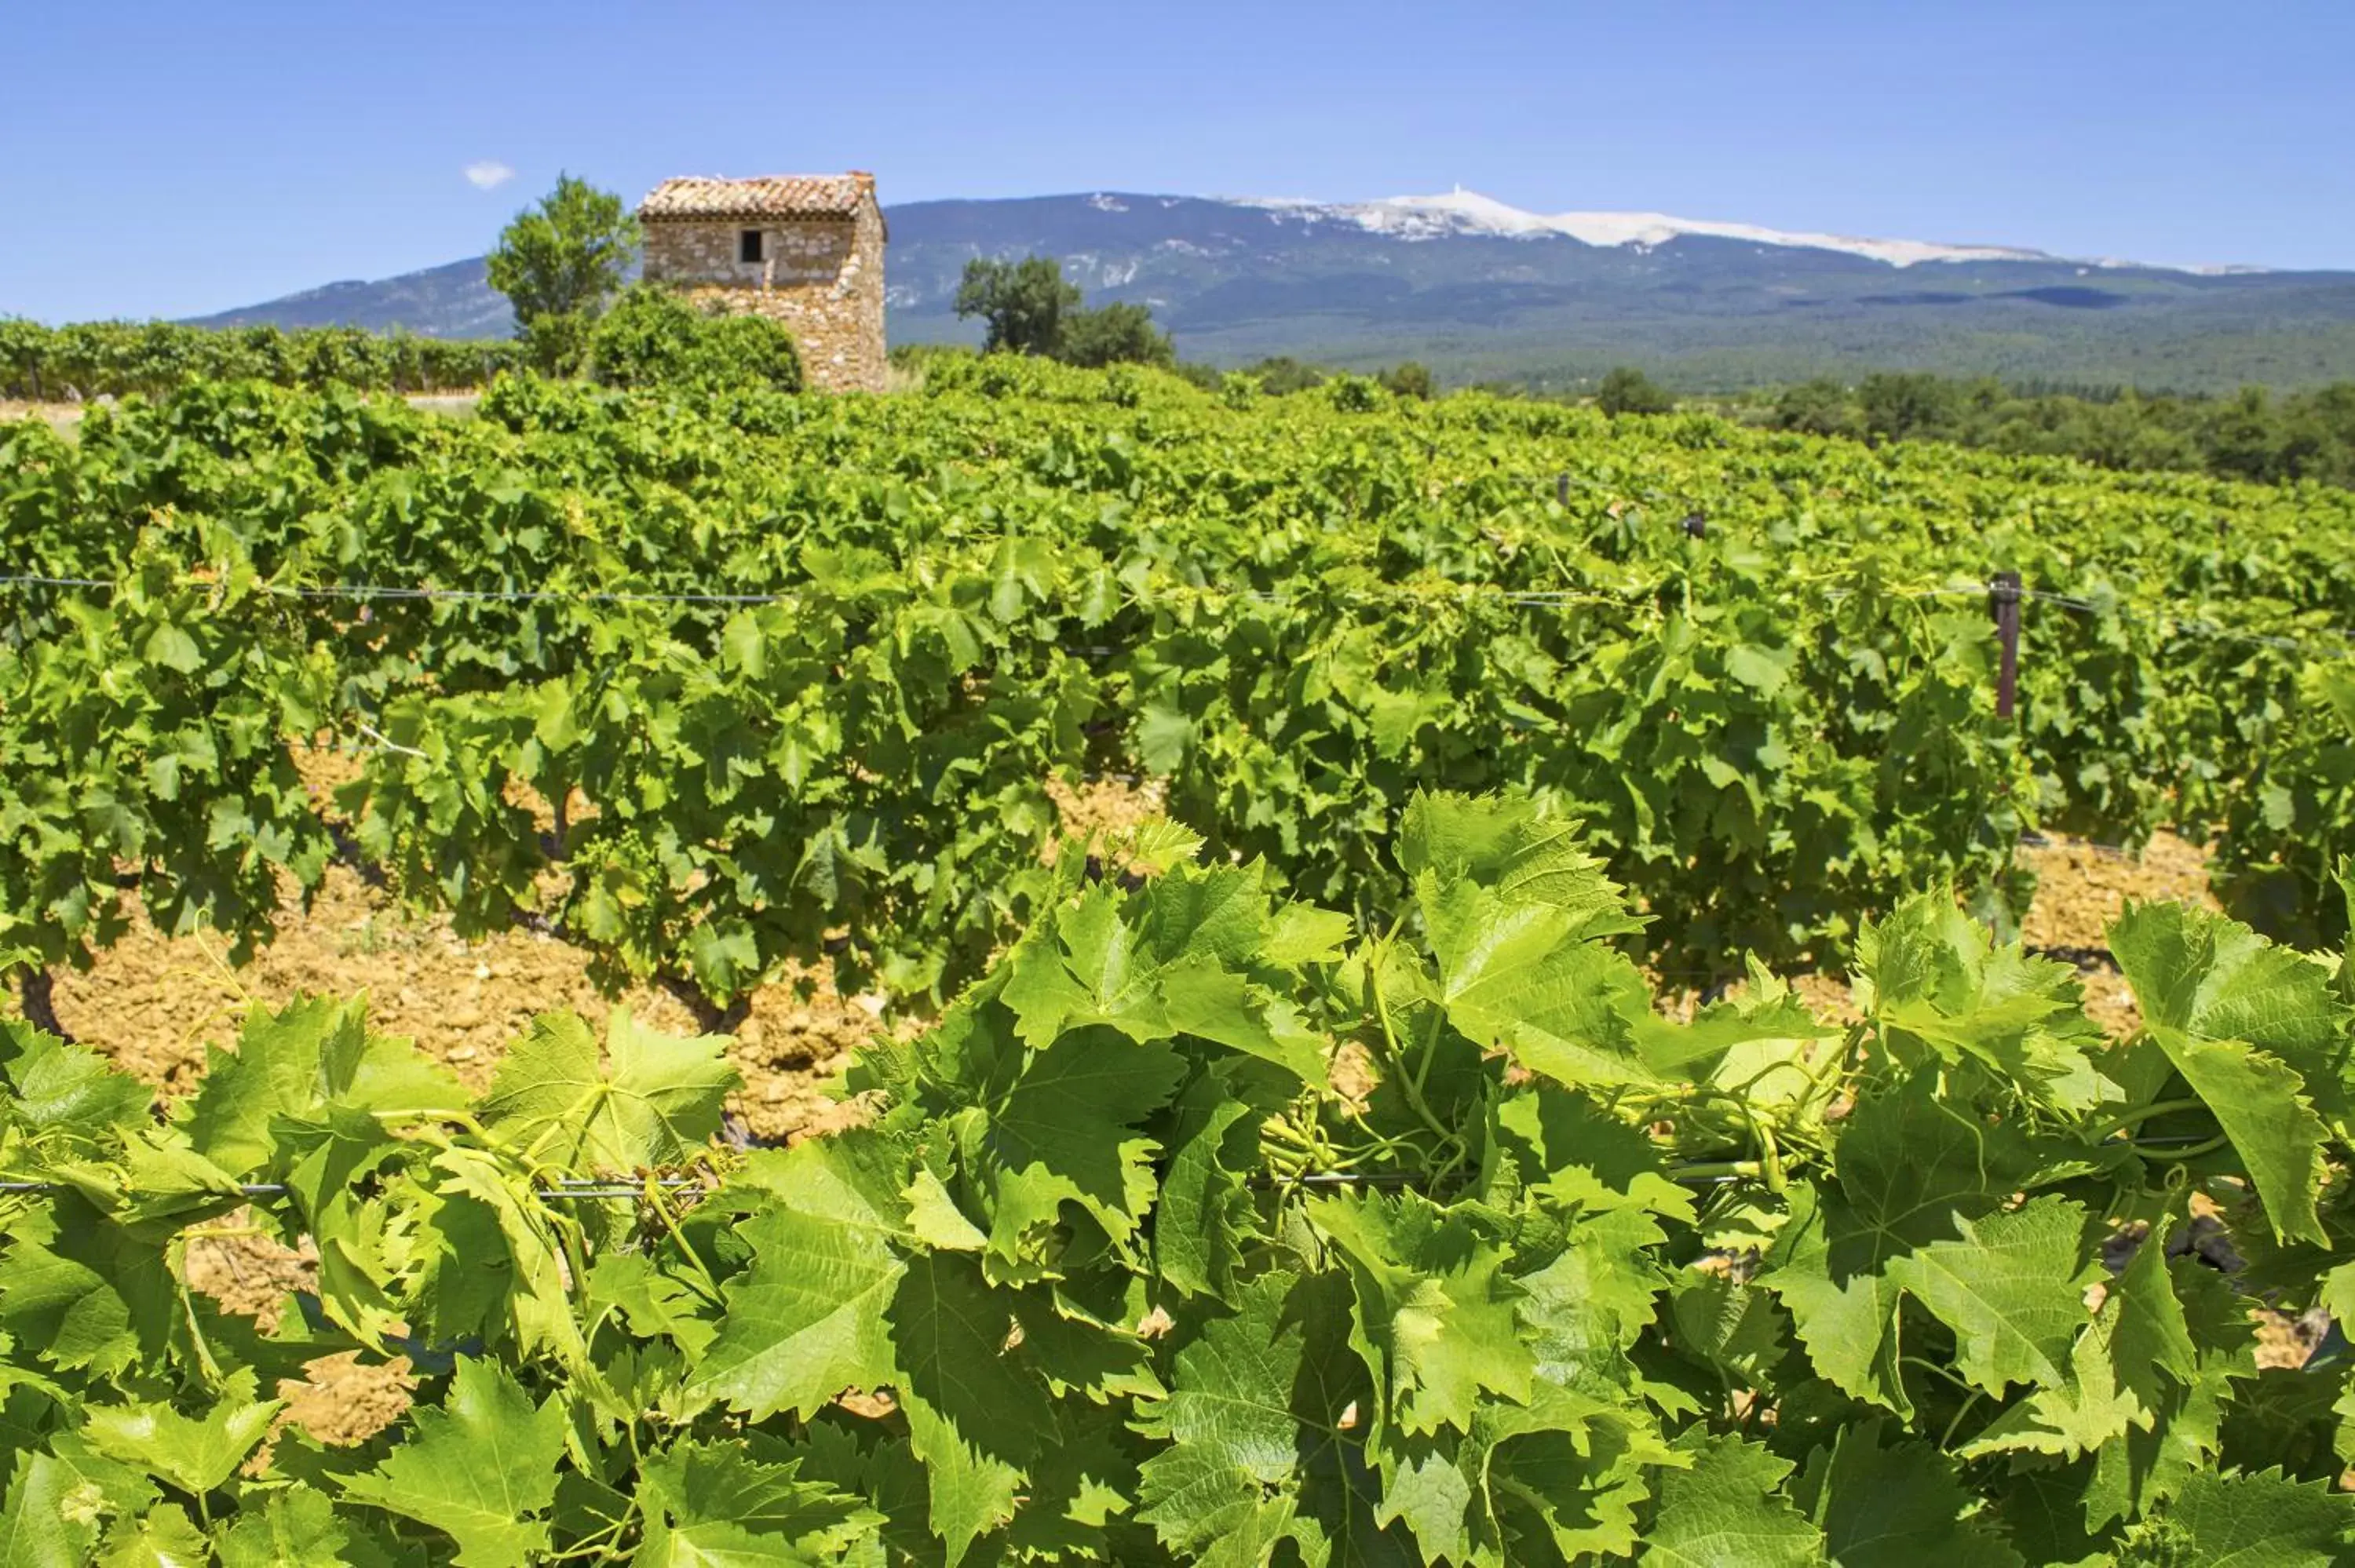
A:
1627, 390
1355, 394
651, 337
1409, 380
1115, 335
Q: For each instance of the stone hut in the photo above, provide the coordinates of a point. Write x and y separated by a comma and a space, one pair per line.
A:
806, 249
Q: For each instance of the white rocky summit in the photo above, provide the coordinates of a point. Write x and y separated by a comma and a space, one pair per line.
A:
1460, 211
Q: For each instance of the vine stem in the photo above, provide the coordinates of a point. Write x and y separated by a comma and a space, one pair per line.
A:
1710, 1167
1946, 1439
1397, 1062
2174, 1156
2124, 1119
653, 1195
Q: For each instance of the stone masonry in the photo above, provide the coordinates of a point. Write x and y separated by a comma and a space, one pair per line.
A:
804, 249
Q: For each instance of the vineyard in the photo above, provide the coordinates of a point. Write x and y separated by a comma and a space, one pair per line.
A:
88, 360
1315, 1173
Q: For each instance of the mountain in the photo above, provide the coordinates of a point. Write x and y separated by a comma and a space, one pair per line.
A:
456, 299
1476, 287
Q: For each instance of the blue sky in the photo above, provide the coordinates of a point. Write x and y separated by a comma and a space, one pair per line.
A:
171, 159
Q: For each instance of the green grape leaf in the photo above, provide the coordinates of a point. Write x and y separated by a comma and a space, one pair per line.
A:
1910, 1170
2090, 1410
2260, 1520
936, 1220
67, 1092
1065, 1130
527, 1286
166, 1537
2259, 1101
294, 1526
1264, 1423
1514, 975
481, 1469
48, 1520
710, 1504
1205, 1216
1229, 1408
975, 1414
1180, 969
1894, 1505
1505, 843
2012, 1290
1729, 1324
1725, 1511
1931, 973
1574, 1155
1435, 1307
656, 1107
194, 1454
1588, 1305
805, 1322
83, 1292
2209, 977
312, 1055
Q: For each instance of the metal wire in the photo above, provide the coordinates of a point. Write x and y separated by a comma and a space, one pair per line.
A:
1552, 598
560, 1191
589, 1190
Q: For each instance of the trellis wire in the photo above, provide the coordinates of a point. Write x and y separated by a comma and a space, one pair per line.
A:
560, 1191
1519, 597
590, 1191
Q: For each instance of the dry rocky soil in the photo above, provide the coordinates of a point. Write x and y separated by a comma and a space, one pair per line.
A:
154, 1003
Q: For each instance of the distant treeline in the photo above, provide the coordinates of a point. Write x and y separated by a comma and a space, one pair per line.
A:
2254, 434
92, 359
2251, 434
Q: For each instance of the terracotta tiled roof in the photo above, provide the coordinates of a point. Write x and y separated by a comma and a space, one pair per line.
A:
772, 195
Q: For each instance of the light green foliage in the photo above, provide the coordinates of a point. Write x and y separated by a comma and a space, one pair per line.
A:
565, 256
2242, 1521
194, 1454
117, 358
1723, 1510
1289, 614
481, 1471
806, 1321
1115, 1274
655, 1105
651, 337
1121, 1274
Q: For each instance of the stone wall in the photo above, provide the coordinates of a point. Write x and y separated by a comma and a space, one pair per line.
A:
823, 276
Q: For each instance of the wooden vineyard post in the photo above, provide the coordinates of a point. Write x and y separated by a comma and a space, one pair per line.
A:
2003, 597
1561, 491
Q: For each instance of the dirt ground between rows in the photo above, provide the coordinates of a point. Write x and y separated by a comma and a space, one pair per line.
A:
154, 1005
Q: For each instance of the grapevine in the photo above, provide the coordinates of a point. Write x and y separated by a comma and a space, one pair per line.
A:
1113, 1272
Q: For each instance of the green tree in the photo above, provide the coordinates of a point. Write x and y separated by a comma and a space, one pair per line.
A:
1409, 380
1113, 335
1022, 303
1627, 390
1818, 407
2244, 437
1907, 405
558, 262
1283, 374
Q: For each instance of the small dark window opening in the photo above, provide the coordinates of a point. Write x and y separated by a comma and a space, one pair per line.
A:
748, 246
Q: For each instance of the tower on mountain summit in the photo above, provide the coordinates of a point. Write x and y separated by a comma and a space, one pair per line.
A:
803, 249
